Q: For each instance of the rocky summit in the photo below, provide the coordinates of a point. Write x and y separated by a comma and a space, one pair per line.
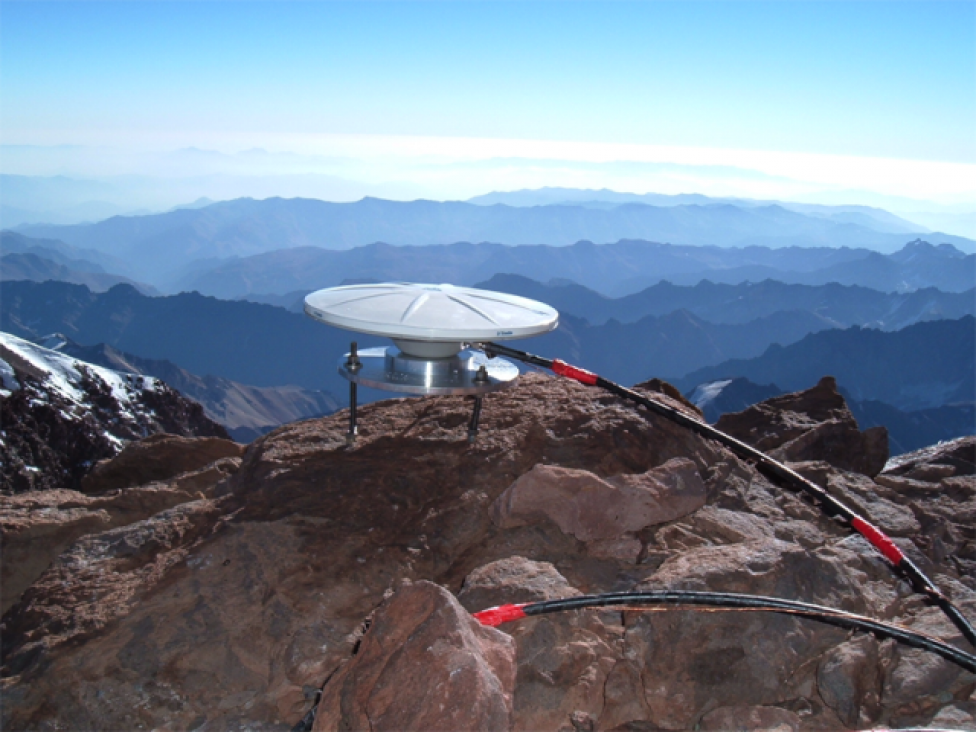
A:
310, 584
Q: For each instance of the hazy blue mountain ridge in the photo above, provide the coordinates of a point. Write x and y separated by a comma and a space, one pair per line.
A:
30, 266
246, 227
923, 366
617, 269
915, 429
268, 346
716, 398
246, 342
841, 305
867, 216
245, 411
84, 260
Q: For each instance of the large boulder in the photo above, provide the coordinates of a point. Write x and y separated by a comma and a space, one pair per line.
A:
564, 661
424, 664
597, 509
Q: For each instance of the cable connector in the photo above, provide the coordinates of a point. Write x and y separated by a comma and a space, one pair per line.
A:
495, 616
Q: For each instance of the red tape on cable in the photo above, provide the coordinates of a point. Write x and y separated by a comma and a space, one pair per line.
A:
879, 539
495, 616
573, 372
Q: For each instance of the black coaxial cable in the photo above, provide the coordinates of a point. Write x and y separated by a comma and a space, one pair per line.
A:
731, 601
773, 469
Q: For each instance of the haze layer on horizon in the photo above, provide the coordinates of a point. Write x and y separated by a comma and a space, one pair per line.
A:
450, 100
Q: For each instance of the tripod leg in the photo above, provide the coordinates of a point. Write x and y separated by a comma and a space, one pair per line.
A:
351, 434
475, 416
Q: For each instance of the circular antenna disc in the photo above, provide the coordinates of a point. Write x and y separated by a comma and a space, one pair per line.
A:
432, 313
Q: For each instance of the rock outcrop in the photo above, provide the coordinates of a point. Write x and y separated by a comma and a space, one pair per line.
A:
147, 477
425, 664
60, 416
156, 458
235, 608
604, 513
814, 424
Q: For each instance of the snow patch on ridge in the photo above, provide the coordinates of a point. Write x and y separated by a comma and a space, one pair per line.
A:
8, 379
65, 375
706, 393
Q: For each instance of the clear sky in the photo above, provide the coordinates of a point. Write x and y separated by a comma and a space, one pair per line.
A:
893, 80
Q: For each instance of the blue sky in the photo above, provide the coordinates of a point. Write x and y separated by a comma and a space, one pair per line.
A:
873, 79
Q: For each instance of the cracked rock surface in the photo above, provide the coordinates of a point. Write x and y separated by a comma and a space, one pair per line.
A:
319, 566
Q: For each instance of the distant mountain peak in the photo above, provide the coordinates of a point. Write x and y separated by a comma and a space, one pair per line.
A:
922, 248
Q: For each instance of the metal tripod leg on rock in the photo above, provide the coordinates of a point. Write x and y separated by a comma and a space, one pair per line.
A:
353, 364
475, 417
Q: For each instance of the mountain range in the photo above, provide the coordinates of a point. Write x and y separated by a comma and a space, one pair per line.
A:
247, 412
841, 305
745, 288
923, 366
868, 216
618, 269
245, 342
167, 242
57, 252
269, 346
29, 266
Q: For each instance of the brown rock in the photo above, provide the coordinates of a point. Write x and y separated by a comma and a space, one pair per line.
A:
231, 612
424, 664
591, 508
37, 526
693, 661
563, 661
869, 499
624, 548
913, 680
99, 579
810, 425
674, 396
513, 580
749, 719
961, 716
849, 681
938, 485
156, 458
953, 458
623, 696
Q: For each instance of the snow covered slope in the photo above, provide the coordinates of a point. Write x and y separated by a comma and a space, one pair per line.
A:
60, 415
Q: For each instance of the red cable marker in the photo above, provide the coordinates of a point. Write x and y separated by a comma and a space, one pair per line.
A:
878, 538
495, 616
574, 372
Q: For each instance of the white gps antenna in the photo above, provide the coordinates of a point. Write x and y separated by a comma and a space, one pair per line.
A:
431, 327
